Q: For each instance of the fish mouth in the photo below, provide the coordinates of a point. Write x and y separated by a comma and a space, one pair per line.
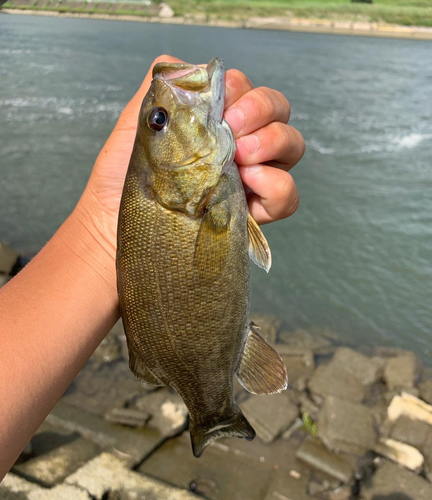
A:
191, 83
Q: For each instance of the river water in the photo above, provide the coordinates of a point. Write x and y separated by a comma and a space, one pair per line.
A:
355, 258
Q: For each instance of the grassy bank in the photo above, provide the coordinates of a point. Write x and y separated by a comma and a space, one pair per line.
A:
403, 12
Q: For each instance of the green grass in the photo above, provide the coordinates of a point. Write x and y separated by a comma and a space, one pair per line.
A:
405, 12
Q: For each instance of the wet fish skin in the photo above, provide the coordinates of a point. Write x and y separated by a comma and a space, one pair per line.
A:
184, 240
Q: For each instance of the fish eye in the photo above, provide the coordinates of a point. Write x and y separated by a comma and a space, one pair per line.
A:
157, 118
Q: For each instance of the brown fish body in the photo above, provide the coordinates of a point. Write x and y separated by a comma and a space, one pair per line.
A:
183, 257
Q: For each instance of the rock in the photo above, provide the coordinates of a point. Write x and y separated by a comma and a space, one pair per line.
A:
307, 339
269, 326
284, 487
220, 474
341, 493
401, 453
391, 482
299, 364
427, 452
8, 258
165, 11
410, 431
296, 426
107, 472
315, 455
270, 415
63, 492
425, 389
168, 412
367, 370
410, 406
334, 380
402, 371
127, 416
51, 468
4, 278
12, 483
109, 349
102, 386
308, 406
131, 444
346, 426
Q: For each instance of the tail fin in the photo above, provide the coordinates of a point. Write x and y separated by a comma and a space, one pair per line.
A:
236, 426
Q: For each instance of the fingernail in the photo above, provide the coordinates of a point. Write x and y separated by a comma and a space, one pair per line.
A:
250, 142
235, 118
252, 169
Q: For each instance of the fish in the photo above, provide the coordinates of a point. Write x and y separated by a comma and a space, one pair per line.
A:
184, 241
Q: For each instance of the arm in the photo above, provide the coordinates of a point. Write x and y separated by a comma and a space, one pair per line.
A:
58, 309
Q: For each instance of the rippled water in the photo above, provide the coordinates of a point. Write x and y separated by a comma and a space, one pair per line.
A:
356, 257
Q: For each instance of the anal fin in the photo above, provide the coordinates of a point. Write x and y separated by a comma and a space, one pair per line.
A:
140, 370
261, 369
259, 250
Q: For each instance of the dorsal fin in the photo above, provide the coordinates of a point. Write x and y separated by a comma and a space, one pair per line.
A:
259, 250
261, 369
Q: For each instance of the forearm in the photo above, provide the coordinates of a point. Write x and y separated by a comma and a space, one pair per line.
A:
53, 315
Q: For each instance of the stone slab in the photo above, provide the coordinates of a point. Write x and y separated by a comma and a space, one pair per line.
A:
107, 472
426, 391
299, 364
221, 473
410, 431
135, 445
169, 414
314, 340
131, 417
285, 487
313, 453
51, 468
101, 386
391, 482
402, 371
403, 454
364, 368
346, 426
410, 406
270, 415
334, 380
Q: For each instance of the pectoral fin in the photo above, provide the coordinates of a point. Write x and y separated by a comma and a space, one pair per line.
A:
212, 245
140, 370
261, 369
259, 250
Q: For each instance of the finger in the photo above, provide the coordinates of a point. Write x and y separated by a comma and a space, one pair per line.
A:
255, 109
274, 193
276, 141
236, 85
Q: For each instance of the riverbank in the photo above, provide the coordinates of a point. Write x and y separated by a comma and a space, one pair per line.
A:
354, 424
124, 12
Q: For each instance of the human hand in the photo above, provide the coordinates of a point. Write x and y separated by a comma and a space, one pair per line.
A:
266, 149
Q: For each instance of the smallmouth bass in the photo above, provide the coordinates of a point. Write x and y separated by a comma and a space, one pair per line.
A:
185, 237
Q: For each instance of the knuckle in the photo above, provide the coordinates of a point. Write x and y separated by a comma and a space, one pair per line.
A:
267, 103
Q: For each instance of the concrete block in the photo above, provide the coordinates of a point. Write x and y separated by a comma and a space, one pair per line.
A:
346, 426
334, 380
402, 371
411, 407
367, 370
283, 486
53, 467
315, 455
270, 415
410, 431
133, 444
426, 391
401, 453
108, 473
393, 482
169, 414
